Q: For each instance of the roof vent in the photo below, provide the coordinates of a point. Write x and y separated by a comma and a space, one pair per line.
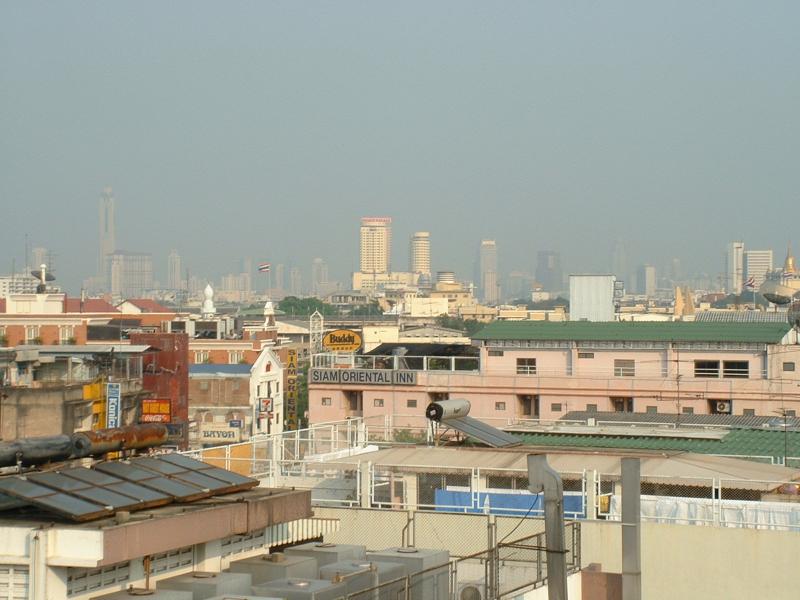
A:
203, 575
407, 550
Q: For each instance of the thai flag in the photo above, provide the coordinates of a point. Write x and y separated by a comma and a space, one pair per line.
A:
263, 268
750, 284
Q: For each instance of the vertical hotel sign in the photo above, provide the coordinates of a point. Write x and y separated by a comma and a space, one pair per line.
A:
291, 390
113, 401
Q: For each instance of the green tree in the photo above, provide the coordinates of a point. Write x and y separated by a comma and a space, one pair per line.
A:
304, 307
468, 326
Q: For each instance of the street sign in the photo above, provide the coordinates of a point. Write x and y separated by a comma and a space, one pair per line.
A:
113, 404
235, 423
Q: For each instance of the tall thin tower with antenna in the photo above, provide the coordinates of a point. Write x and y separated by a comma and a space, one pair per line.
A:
108, 241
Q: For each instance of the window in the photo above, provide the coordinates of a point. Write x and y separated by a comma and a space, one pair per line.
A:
790, 413
201, 356
235, 357
377, 403
555, 407
591, 408
326, 402
526, 366
499, 405
203, 386
687, 410
749, 412
787, 366
706, 368
585, 354
652, 409
624, 367
411, 403
66, 333
31, 333
496, 353
736, 369
622, 404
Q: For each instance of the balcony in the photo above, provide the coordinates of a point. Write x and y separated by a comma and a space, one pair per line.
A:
330, 360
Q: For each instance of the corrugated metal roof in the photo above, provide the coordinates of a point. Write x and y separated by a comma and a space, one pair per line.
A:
676, 465
737, 442
740, 316
730, 421
767, 333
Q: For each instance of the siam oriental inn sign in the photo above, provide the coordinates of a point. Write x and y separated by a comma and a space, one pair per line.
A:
363, 377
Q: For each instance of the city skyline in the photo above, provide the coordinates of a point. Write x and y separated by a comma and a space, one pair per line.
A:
496, 130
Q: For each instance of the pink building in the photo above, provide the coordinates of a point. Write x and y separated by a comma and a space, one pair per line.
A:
541, 370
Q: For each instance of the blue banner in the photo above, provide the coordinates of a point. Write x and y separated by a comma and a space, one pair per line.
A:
113, 404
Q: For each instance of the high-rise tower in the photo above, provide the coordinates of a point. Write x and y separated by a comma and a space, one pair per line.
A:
734, 268
108, 240
376, 244
490, 292
174, 277
419, 254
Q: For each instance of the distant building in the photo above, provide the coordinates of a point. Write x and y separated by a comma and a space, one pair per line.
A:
619, 260
419, 254
548, 270
487, 270
21, 283
174, 279
295, 282
376, 244
757, 263
734, 268
646, 280
591, 297
108, 240
319, 277
129, 274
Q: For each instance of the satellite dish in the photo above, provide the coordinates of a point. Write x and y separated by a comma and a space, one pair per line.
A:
47, 276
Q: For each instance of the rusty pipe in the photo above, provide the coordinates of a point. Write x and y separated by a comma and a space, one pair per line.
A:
31, 451
131, 437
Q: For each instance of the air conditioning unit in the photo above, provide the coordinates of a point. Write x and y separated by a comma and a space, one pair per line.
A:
722, 407
471, 590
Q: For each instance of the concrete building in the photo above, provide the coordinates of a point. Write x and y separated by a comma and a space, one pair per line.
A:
591, 297
174, 273
734, 268
319, 277
19, 283
548, 270
419, 253
129, 274
376, 245
487, 271
542, 370
646, 280
107, 233
757, 263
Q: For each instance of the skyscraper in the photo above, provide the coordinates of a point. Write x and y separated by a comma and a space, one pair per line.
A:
646, 280
734, 268
487, 258
129, 274
548, 270
376, 244
108, 240
619, 260
419, 253
319, 276
757, 263
295, 282
174, 271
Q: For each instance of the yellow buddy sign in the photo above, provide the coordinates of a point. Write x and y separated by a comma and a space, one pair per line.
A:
342, 340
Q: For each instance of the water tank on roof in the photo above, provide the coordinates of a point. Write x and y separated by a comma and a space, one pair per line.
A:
205, 585
362, 575
328, 553
277, 565
434, 584
302, 589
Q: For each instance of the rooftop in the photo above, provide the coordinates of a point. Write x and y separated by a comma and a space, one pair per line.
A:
220, 370
764, 333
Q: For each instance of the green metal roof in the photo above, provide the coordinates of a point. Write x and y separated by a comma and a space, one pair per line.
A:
585, 331
738, 442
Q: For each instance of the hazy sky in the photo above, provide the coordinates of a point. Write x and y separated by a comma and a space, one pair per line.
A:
266, 129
